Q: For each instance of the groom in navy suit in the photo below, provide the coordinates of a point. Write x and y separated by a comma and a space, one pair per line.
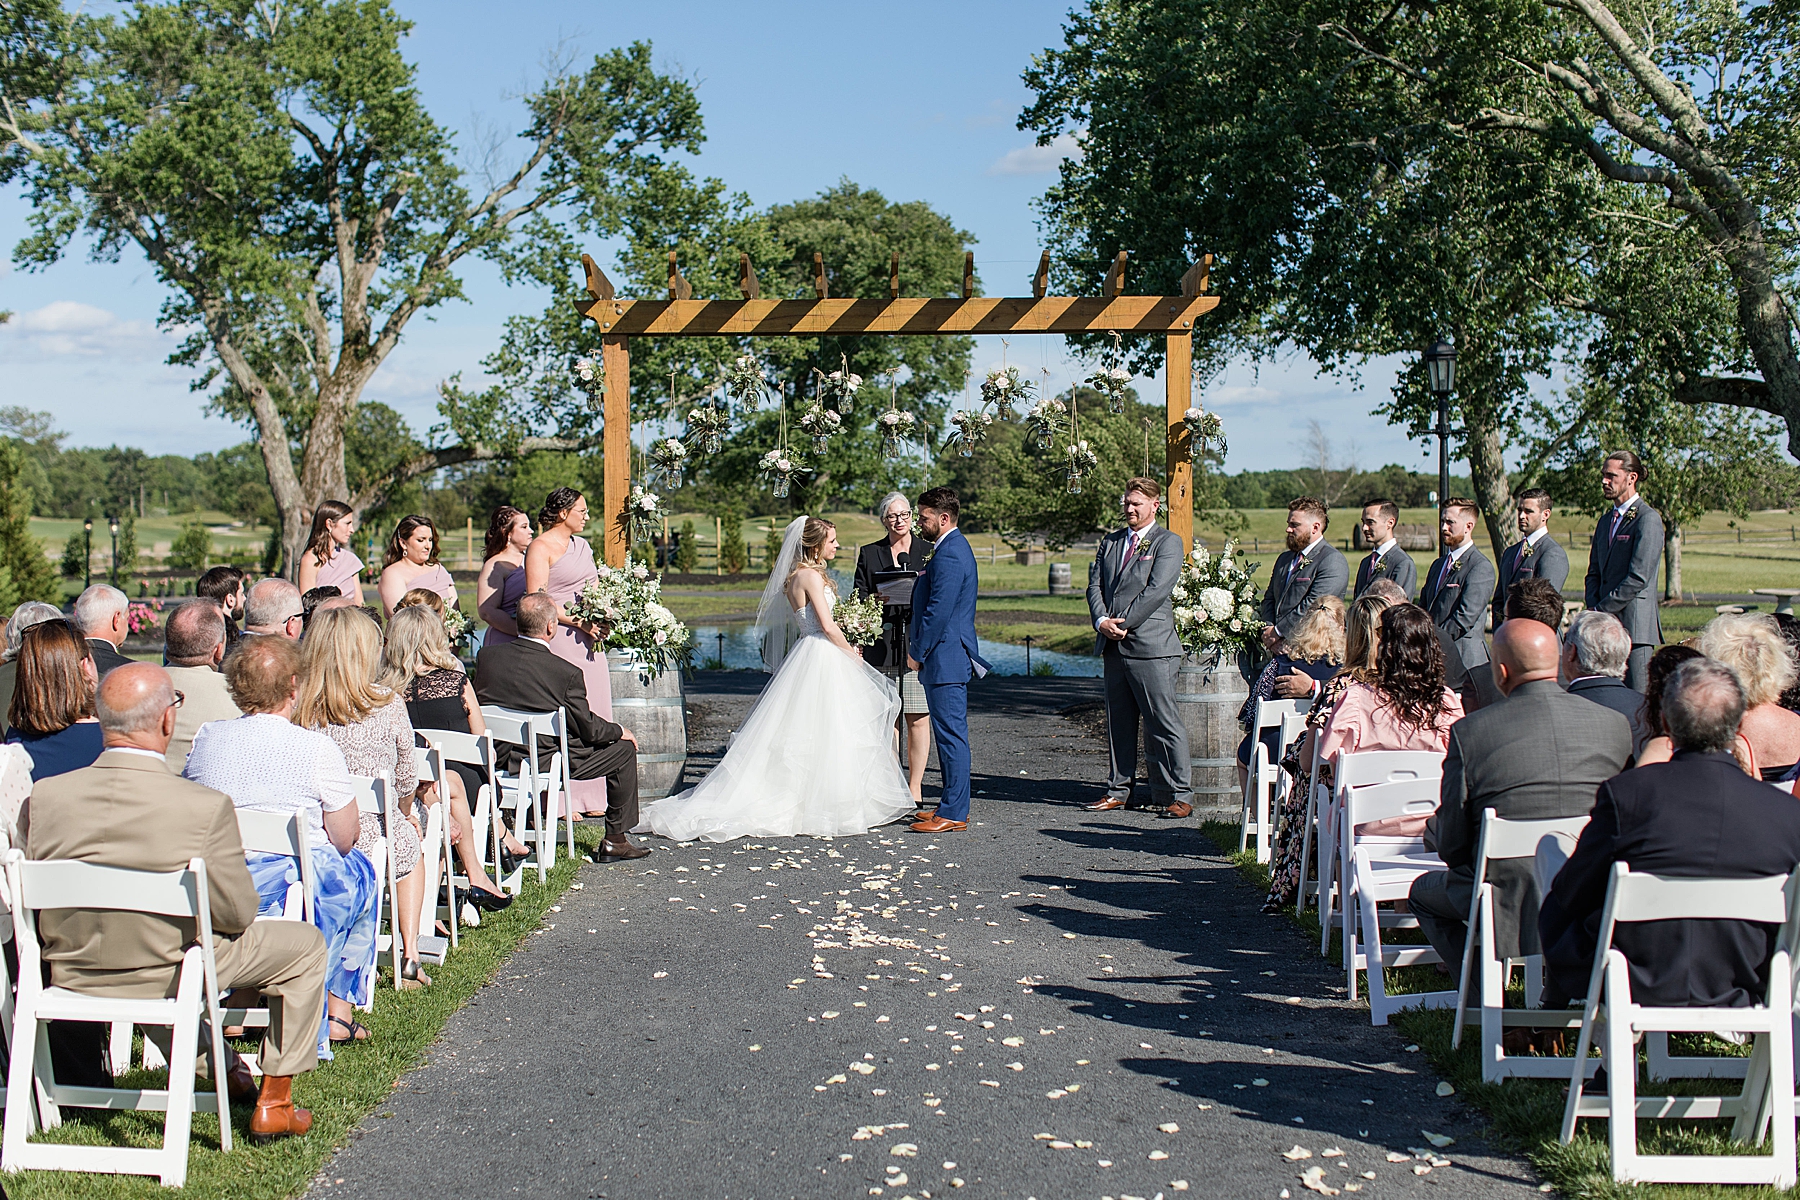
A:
943, 650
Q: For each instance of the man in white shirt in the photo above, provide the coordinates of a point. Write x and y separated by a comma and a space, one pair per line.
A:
1536, 555
1387, 560
194, 643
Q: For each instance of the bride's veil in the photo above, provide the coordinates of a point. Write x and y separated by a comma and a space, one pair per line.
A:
776, 626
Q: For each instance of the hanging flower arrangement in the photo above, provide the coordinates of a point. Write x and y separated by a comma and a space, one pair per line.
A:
970, 428
820, 422
1205, 429
707, 425
1112, 383
895, 427
1081, 460
669, 455
1045, 421
643, 514
779, 468
745, 383
590, 377
1005, 387
839, 388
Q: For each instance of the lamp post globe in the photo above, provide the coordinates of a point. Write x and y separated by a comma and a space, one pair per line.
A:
1440, 369
87, 561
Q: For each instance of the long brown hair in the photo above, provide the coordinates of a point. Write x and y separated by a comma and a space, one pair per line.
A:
319, 543
499, 530
53, 692
1410, 664
396, 547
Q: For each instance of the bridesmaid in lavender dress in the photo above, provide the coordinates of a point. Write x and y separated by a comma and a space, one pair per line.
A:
327, 560
412, 562
502, 578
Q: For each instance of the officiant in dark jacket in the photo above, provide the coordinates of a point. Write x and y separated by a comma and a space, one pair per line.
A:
898, 551
525, 675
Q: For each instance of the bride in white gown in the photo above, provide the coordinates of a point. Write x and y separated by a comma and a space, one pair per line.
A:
816, 754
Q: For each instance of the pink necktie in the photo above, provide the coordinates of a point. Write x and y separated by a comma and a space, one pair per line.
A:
1131, 547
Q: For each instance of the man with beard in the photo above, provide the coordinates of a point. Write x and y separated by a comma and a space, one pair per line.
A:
1623, 559
1309, 570
224, 586
1457, 590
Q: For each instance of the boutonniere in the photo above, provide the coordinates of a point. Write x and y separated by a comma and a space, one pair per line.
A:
1455, 565
1524, 553
1630, 515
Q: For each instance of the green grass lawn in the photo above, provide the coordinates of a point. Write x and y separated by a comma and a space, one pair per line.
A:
340, 1093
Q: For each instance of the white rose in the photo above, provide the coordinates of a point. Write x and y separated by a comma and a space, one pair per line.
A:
1179, 593
855, 382
1237, 626
1120, 373
785, 465
641, 571
661, 638
649, 501
658, 613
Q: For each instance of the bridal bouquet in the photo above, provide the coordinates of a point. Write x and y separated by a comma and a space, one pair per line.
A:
859, 618
1215, 602
1005, 387
628, 602
1111, 383
457, 626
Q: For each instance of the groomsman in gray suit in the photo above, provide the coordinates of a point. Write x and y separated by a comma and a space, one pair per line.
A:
1457, 589
1307, 571
1386, 560
1623, 560
1129, 586
1536, 555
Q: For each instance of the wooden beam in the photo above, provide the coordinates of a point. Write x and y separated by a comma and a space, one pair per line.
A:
747, 281
1040, 283
1178, 375
679, 287
1114, 286
894, 277
820, 287
968, 288
615, 355
598, 285
906, 316
1195, 281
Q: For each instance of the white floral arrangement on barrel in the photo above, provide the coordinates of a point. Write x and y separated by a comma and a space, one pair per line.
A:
627, 602
1112, 383
1215, 602
859, 618
820, 422
1045, 420
779, 468
1005, 387
970, 428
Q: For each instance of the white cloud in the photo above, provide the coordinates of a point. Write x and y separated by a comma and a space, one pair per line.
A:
1038, 160
65, 328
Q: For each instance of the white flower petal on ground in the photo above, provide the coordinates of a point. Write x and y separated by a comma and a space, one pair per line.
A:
1296, 1154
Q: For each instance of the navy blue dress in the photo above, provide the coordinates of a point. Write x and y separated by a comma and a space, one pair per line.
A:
59, 753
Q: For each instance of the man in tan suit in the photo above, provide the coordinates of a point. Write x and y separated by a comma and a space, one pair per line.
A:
194, 644
127, 810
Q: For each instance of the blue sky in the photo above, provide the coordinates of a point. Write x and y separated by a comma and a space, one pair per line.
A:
919, 101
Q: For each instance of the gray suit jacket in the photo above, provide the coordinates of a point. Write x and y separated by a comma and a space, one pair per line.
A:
1622, 567
1396, 565
1457, 599
1539, 753
1290, 596
1137, 592
1547, 561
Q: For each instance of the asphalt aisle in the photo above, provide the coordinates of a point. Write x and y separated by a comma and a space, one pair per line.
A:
1053, 1004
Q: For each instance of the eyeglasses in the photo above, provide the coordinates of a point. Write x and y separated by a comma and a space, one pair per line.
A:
299, 616
179, 700
898, 516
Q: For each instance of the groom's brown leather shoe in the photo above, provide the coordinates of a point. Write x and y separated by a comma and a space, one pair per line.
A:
1176, 811
620, 851
1105, 804
937, 824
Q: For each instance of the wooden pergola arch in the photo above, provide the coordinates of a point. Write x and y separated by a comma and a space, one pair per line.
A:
680, 315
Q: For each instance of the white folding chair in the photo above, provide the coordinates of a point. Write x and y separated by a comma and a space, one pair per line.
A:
1266, 783
372, 792
476, 750
1349, 772
36, 886
436, 858
1381, 870
1503, 839
527, 791
1631, 898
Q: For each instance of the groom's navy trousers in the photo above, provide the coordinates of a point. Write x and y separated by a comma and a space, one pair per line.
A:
942, 639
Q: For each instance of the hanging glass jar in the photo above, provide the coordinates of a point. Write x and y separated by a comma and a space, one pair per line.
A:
781, 486
1074, 483
890, 446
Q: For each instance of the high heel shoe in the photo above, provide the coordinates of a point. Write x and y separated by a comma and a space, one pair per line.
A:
510, 862
487, 901
411, 977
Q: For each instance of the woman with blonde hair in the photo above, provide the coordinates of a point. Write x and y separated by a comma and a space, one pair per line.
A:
816, 755
338, 696
1752, 645
1315, 648
417, 664
328, 560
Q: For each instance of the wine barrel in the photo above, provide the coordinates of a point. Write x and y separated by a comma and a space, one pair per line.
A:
1061, 580
656, 713
1209, 690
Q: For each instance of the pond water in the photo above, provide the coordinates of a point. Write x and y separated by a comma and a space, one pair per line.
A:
737, 645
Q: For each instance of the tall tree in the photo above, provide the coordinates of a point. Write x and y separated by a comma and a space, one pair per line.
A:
25, 573
278, 168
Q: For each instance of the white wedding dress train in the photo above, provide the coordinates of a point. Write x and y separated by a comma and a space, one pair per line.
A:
815, 756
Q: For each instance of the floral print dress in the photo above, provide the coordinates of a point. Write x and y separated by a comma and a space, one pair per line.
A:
1286, 868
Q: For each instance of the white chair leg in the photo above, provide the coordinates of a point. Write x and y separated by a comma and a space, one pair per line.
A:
118, 1048
1621, 1073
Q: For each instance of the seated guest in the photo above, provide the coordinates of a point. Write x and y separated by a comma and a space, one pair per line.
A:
527, 676
1537, 754
339, 697
1361, 637
129, 790
1751, 644
1790, 629
1407, 708
1696, 816
1535, 600
52, 709
272, 608
310, 601
32, 612
104, 616
1296, 684
224, 586
265, 762
1594, 655
1657, 747
1315, 649
417, 664
194, 643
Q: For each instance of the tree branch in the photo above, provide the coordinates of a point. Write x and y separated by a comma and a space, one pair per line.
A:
450, 456
1731, 390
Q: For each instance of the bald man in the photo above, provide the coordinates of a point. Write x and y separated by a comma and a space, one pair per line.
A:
128, 810
1538, 753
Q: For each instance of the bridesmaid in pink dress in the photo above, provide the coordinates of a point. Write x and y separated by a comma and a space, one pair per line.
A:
412, 562
327, 560
502, 578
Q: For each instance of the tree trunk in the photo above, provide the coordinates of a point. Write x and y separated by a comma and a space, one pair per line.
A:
1487, 473
1672, 563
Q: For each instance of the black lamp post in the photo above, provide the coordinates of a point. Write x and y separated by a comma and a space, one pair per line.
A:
87, 562
1440, 366
113, 522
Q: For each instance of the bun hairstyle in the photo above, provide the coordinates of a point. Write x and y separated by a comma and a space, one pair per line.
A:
396, 549
499, 530
556, 504
318, 544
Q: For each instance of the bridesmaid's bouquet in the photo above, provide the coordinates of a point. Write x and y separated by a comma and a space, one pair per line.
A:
859, 618
628, 602
457, 627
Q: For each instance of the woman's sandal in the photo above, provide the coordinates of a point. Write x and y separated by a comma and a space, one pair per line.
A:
411, 976
358, 1032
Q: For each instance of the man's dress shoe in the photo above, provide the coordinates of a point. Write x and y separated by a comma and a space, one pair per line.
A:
1105, 804
936, 824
